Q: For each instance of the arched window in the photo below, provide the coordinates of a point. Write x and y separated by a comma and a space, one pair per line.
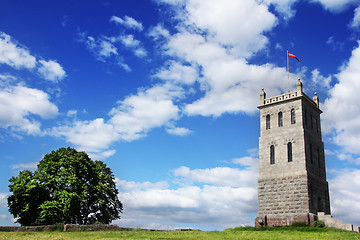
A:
293, 119
289, 151
268, 121
280, 119
272, 154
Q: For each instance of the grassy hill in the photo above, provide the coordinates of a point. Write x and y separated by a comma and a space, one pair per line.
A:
236, 233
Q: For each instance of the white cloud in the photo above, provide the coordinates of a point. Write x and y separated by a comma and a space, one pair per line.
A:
101, 155
178, 73
91, 136
102, 48
224, 176
137, 114
319, 80
220, 176
19, 103
28, 166
178, 131
128, 22
341, 111
284, 7
238, 24
131, 43
14, 55
130, 120
356, 20
159, 32
218, 48
345, 192
71, 113
334, 45
106, 49
191, 205
121, 63
51, 71
128, 186
336, 5
3, 199
233, 85
222, 196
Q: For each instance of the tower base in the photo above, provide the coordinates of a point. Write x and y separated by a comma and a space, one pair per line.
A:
272, 220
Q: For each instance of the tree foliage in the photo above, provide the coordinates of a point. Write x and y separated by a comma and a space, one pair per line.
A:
67, 187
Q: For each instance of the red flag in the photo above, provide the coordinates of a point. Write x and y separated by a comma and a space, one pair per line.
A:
292, 55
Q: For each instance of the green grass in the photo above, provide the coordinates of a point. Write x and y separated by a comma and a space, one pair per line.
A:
283, 233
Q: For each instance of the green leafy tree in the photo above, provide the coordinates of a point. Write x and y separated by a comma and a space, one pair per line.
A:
66, 187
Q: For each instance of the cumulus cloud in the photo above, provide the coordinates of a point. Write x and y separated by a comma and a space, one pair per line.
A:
137, 114
208, 49
223, 176
217, 50
51, 70
127, 22
128, 186
131, 119
356, 20
319, 80
19, 103
239, 24
14, 55
28, 166
341, 111
92, 136
344, 192
284, 7
336, 5
17, 56
191, 205
178, 73
159, 32
148, 205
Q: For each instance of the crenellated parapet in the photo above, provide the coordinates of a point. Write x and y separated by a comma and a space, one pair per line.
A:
287, 97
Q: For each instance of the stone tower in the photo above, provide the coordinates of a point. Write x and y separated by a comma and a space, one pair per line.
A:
292, 184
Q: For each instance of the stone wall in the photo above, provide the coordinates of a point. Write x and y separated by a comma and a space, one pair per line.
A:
284, 220
283, 195
332, 222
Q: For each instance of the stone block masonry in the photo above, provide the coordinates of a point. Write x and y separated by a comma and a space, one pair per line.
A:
283, 195
332, 222
271, 220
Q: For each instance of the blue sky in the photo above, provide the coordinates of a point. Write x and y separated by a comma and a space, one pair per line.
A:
165, 92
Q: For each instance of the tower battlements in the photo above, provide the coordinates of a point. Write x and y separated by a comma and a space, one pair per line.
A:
287, 97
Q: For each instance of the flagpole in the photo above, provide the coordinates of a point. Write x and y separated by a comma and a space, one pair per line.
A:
288, 68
